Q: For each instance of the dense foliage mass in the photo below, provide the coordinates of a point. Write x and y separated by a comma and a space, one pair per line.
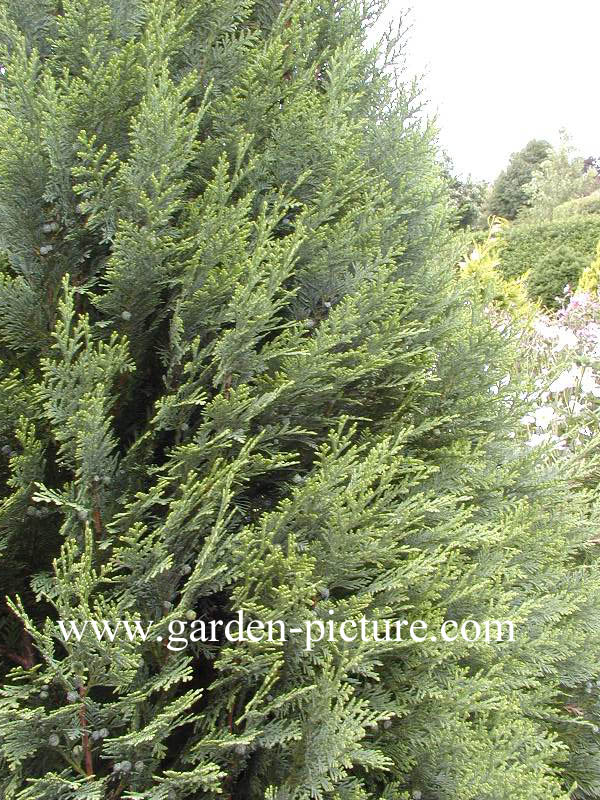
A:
508, 194
554, 236
481, 267
589, 280
467, 196
547, 280
525, 246
561, 178
590, 204
238, 372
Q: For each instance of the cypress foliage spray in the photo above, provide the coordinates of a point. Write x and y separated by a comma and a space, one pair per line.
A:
237, 373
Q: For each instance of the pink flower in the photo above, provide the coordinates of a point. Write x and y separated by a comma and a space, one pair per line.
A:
592, 330
579, 300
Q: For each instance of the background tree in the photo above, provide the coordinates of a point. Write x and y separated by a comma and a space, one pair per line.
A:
508, 195
561, 177
467, 197
592, 162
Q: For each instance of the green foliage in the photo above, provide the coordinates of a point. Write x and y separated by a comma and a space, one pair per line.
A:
467, 197
552, 273
481, 267
238, 372
560, 178
508, 195
590, 277
524, 246
590, 204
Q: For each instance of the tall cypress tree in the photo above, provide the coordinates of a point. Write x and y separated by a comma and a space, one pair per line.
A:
508, 195
237, 374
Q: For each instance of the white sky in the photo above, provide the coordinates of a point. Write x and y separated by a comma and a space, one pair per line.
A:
502, 72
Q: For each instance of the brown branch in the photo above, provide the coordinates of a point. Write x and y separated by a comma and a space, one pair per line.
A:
97, 520
27, 658
96, 517
118, 791
573, 709
28, 648
85, 739
22, 661
227, 386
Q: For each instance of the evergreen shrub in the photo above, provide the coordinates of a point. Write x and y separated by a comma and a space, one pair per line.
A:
238, 372
589, 280
548, 279
481, 268
590, 204
524, 246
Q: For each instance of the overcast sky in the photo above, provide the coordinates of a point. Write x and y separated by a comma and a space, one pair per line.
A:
502, 73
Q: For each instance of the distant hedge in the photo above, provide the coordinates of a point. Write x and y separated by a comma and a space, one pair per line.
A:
590, 204
549, 277
525, 246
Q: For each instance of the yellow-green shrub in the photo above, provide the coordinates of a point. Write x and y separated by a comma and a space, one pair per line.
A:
482, 268
590, 277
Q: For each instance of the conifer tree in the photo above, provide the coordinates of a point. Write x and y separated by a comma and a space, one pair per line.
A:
237, 373
508, 194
